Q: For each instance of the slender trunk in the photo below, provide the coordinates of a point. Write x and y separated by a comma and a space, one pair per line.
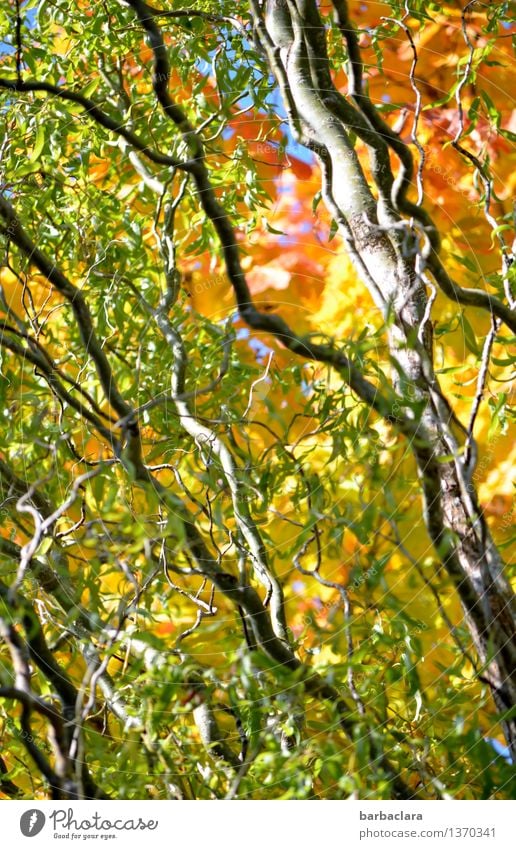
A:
372, 228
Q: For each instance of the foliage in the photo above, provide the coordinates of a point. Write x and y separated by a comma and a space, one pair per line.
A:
218, 578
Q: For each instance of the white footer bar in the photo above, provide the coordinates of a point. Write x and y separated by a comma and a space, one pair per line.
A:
260, 825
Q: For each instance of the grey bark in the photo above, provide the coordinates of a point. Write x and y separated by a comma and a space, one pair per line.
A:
292, 35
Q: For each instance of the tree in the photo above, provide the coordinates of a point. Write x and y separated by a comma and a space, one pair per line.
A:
257, 309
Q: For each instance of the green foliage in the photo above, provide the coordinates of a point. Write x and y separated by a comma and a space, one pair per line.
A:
130, 612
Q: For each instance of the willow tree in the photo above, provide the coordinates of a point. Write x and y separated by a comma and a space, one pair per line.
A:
243, 552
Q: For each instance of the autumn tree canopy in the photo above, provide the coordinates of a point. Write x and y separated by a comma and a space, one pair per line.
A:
257, 309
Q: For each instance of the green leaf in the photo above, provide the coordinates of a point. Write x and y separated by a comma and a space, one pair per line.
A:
470, 337
39, 144
494, 113
91, 87
466, 261
271, 229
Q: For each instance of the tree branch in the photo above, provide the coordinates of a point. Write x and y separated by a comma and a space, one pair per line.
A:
97, 115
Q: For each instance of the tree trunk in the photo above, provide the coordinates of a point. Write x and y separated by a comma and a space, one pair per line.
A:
391, 255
